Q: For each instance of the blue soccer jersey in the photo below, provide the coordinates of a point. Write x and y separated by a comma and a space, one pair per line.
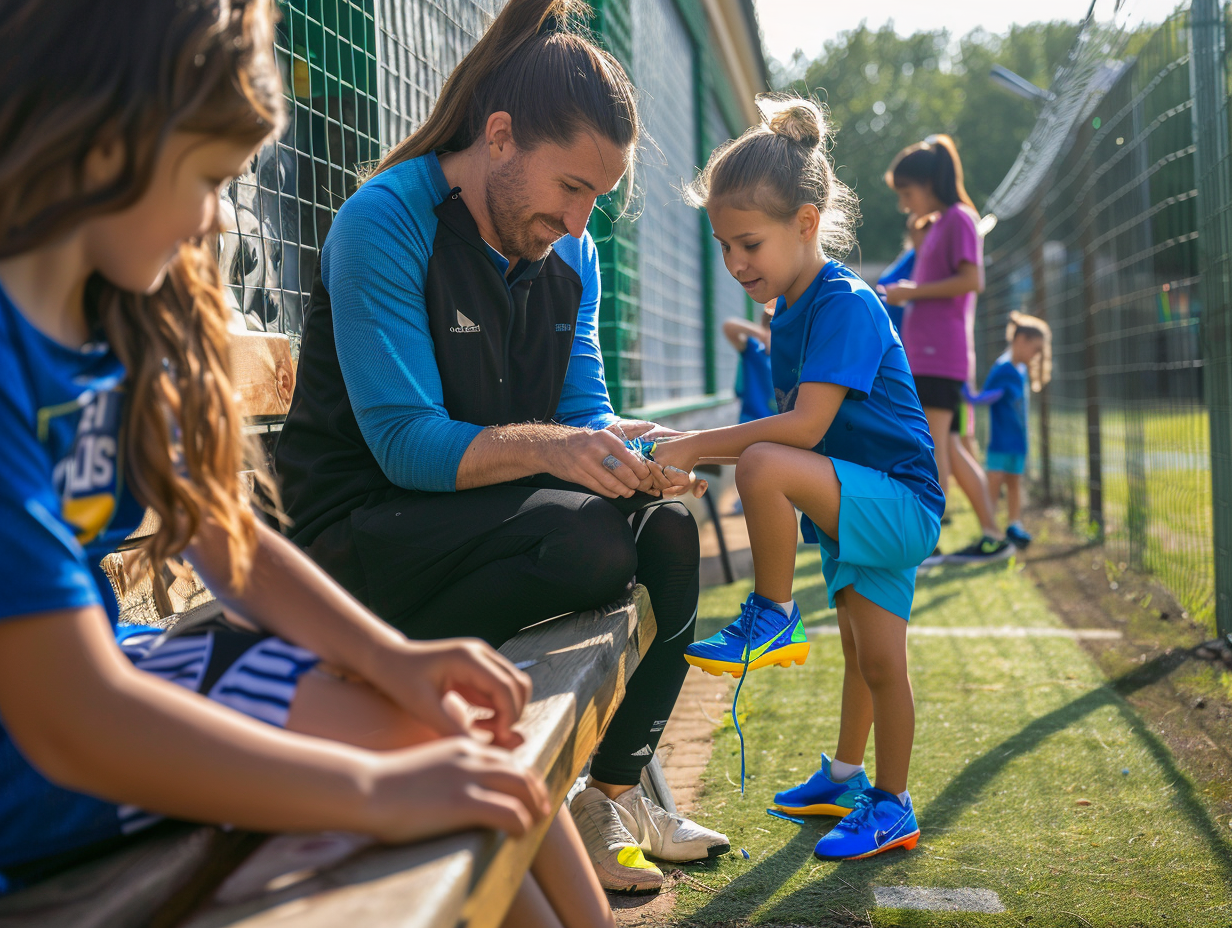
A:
63, 505
838, 332
1008, 415
756, 386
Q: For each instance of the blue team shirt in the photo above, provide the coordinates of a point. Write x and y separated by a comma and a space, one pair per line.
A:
374, 265
755, 385
63, 505
900, 270
838, 332
1008, 415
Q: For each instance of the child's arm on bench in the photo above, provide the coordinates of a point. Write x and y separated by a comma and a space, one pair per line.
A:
287, 594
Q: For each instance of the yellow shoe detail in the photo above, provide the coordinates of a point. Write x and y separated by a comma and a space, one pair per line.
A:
783, 656
821, 808
631, 856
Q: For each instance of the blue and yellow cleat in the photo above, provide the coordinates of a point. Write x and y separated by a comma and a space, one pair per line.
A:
762, 636
878, 823
822, 795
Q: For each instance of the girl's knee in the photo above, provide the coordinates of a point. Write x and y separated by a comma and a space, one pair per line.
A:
882, 669
753, 464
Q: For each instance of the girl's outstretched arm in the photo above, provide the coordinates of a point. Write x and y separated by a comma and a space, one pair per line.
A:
969, 279
289, 595
90, 721
803, 426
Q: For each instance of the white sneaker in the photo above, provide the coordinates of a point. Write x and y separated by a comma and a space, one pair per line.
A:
666, 835
614, 853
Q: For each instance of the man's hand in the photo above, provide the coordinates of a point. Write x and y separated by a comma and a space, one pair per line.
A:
419, 677
598, 461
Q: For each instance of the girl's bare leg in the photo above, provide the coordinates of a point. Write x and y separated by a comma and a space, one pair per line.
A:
857, 713
565, 877
773, 480
995, 480
1013, 496
974, 483
939, 427
881, 649
530, 908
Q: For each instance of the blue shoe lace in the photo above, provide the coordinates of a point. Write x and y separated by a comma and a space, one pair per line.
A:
748, 615
858, 817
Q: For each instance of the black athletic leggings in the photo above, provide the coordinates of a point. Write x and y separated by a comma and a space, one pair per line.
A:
490, 561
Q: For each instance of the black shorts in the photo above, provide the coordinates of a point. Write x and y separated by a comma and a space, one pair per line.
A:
939, 393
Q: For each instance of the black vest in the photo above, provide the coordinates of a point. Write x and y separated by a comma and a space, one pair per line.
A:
502, 351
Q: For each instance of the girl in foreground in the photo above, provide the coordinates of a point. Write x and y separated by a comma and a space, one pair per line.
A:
850, 448
116, 396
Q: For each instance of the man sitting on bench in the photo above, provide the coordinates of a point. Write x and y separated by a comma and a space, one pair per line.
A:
451, 455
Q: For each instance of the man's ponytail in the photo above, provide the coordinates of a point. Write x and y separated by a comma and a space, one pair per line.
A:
535, 63
933, 163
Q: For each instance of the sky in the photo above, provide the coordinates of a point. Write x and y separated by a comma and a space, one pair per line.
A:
790, 24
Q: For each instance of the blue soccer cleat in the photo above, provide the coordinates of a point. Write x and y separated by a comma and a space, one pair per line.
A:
822, 795
878, 823
1018, 537
762, 636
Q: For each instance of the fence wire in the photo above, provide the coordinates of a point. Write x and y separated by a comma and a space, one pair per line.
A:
1099, 233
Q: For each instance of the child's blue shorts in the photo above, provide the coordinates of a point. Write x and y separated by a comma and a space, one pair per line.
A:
884, 533
1004, 462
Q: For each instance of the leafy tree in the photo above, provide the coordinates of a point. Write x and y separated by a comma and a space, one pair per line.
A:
886, 91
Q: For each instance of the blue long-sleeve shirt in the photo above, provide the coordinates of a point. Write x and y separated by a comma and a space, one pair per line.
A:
374, 265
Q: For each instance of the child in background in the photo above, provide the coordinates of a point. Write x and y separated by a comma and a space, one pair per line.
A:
1027, 360
948, 273
850, 448
310, 714
753, 383
904, 264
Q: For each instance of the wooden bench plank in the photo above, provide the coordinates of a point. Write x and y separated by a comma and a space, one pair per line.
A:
263, 373
580, 666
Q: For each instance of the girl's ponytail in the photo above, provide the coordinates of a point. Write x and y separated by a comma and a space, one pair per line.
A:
535, 63
933, 163
1040, 368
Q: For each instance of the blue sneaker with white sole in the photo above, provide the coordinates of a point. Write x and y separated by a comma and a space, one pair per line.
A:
878, 823
822, 795
761, 636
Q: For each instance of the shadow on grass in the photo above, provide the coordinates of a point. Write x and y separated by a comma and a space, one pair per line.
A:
849, 886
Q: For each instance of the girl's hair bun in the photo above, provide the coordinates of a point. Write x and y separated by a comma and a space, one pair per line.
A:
795, 118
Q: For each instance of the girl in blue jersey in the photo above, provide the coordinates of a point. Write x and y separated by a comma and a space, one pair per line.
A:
310, 715
850, 448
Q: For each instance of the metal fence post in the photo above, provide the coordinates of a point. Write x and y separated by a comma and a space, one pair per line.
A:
1090, 363
1039, 282
1208, 64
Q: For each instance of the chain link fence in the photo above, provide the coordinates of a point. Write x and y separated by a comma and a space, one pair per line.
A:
1109, 228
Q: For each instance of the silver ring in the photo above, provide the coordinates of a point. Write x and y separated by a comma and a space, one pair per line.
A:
611, 462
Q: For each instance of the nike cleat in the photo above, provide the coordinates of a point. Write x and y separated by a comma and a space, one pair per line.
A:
762, 636
878, 823
1018, 536
822, 795
985, 551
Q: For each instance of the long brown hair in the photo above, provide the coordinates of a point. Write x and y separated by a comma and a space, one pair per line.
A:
73, 75
535, 63
780, 165
932, 163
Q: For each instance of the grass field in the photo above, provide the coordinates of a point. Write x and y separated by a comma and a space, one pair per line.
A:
1157, 491
1032, 777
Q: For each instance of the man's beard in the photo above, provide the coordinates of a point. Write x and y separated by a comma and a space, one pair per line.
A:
521, 231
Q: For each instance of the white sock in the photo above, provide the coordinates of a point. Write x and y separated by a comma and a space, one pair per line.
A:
787, 607
839, 771
904, 797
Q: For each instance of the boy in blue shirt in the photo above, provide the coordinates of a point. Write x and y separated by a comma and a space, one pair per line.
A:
1027, 360
850, 448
